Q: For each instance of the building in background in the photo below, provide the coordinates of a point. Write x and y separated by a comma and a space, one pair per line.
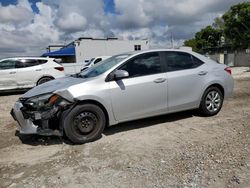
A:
74, 55
229, 56
54, 47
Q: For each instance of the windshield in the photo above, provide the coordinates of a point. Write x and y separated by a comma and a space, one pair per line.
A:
103, 66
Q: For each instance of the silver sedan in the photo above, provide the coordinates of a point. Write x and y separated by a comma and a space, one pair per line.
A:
124, 87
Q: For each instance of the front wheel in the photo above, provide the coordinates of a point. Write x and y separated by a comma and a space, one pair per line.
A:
211, 102
85, 123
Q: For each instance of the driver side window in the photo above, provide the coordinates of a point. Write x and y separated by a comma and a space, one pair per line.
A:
142, 65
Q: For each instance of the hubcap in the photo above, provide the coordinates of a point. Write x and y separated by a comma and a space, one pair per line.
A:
85, 122
213, 101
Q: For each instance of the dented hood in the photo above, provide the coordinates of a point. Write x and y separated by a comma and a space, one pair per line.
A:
51, 86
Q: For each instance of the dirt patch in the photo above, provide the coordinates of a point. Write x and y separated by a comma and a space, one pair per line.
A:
176, 150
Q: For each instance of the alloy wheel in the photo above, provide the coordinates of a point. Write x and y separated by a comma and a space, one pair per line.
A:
213, 101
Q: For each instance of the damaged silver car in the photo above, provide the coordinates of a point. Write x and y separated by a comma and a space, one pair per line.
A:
122, 88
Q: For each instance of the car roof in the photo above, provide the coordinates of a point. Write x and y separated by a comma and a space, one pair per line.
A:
131, 53
39, 58
158, 50
164, 49
171, 50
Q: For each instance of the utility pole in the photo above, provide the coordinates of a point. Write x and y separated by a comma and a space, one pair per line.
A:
172, 40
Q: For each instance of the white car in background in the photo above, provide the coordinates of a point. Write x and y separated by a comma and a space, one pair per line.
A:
94, 61
27, 72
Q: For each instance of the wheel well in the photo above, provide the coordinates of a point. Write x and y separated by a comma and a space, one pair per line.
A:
219, 87
99, 105
44, 77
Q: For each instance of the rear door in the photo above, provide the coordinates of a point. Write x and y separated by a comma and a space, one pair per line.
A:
28, 72
7, 75
144, 92
186, 77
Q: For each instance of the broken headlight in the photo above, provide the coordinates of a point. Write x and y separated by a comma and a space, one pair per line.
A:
45, 102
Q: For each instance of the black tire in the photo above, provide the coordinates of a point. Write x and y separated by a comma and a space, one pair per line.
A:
43, 80
209, 105
84, 123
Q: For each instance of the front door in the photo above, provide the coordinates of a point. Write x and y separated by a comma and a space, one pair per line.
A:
144, 92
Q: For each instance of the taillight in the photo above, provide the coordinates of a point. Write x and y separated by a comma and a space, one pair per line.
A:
229, 70
59, 68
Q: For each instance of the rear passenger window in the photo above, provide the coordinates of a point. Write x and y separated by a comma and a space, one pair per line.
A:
197, 62
22, 63
181, 61
42, 61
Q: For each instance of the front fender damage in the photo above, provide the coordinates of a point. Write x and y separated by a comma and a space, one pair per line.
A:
42, 121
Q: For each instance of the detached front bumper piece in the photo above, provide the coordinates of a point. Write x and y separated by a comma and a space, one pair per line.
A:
26, 126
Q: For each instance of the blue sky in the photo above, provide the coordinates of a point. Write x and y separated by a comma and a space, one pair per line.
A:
27, 27
14, 2
109, 5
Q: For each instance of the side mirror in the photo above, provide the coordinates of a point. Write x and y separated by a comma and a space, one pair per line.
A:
120, 74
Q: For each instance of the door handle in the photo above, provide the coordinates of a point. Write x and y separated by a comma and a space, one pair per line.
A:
38, 69
160, 80
12, 72
202, 73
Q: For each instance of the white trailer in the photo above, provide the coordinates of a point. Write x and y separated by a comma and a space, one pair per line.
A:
84, 49
87, 48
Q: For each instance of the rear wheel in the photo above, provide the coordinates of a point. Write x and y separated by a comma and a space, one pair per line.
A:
43, 80
85, 123
211, 102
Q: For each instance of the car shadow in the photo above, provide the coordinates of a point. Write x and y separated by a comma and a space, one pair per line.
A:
147, 122
36, 140
12, 92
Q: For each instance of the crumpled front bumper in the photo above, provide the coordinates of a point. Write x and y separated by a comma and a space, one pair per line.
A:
26, 126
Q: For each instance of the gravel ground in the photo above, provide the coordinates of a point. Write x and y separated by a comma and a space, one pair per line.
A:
176, 150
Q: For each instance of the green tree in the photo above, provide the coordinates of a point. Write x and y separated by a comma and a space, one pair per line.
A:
237, 25
218, 23
234, 26
192, 43
206, 38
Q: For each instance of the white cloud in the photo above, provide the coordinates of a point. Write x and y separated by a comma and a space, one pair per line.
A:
22, 38
73, 22
24, 32
18, 14
132, 14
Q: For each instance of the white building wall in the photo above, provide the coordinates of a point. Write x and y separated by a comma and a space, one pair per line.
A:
89, 48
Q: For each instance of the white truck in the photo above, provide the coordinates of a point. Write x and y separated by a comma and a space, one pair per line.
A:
94, 61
